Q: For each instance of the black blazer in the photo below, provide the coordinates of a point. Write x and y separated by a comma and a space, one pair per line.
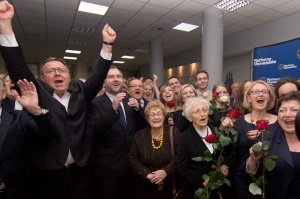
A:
191, 145
8, 104
71, 124
17, 128
280, 177
112, 142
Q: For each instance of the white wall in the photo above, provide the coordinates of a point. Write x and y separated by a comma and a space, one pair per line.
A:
238, 47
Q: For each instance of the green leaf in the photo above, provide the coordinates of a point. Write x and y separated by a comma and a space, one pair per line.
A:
200, 193
216, 146
224, 141
259, 181
207, 154
269, 163
227, 182
266, 145
235, 134
254, 189
198, 159
273, 157
205, 177
256, 148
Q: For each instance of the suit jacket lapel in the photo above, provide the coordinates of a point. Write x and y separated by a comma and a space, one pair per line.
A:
282, 149
198, 141
108, 103
6, 119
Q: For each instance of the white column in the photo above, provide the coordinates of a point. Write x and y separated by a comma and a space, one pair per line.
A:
212, 45
156, 64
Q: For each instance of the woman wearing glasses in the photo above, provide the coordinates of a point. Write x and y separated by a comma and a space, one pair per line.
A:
192, 143
259, 98
150, 155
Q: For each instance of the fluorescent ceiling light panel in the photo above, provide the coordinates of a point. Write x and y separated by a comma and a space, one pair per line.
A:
118, 62
92, 8
73, 58
185, 27
127, 57
231, 5
73, 51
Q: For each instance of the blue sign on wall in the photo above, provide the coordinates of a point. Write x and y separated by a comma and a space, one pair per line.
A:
270, 63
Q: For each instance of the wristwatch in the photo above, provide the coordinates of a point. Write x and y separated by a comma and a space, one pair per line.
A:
44, 111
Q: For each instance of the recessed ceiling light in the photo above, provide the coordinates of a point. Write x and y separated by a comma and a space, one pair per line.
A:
73, 58
185, 27
83, 29
140, 50
79, 43
127, 57
157, 29
118, 62
73, 51
92, 8
231, 5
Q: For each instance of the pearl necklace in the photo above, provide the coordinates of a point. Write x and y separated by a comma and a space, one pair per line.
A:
161, 141
254, 123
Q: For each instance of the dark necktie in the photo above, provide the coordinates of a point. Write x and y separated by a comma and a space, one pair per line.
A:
121, 115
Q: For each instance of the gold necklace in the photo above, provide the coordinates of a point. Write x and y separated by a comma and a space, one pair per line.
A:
161, 140
293, 139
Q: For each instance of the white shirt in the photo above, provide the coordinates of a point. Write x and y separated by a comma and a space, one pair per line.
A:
203, 134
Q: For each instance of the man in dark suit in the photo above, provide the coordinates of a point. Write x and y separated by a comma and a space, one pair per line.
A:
62, 164
114, 117
135, 90
15, 132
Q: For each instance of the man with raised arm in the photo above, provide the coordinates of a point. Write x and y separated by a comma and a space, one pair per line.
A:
62, 164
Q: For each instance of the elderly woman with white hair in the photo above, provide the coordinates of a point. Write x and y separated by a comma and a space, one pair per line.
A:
192, 143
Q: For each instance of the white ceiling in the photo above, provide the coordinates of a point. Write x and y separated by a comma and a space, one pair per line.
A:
44, 27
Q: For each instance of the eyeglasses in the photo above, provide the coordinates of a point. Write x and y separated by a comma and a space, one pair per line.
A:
53, 70
199, 111
158, 114
135, 86
257, 92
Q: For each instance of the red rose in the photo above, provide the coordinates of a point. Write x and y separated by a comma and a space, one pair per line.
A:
210, 138
234, 113
261, 125
215, 94
170, 104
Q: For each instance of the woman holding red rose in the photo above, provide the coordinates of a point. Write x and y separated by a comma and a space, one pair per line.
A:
284, 179
222, 102
259, 98
193, 142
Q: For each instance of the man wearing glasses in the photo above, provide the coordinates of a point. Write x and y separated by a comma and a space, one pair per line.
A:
62, 164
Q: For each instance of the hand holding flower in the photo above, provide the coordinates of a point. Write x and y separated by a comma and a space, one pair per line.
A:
225, 170
171, 121
253, 134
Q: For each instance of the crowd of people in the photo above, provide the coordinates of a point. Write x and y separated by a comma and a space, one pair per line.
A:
109, 137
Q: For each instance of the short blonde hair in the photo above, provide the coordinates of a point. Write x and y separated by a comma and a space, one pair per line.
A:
154, 104
270, 104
